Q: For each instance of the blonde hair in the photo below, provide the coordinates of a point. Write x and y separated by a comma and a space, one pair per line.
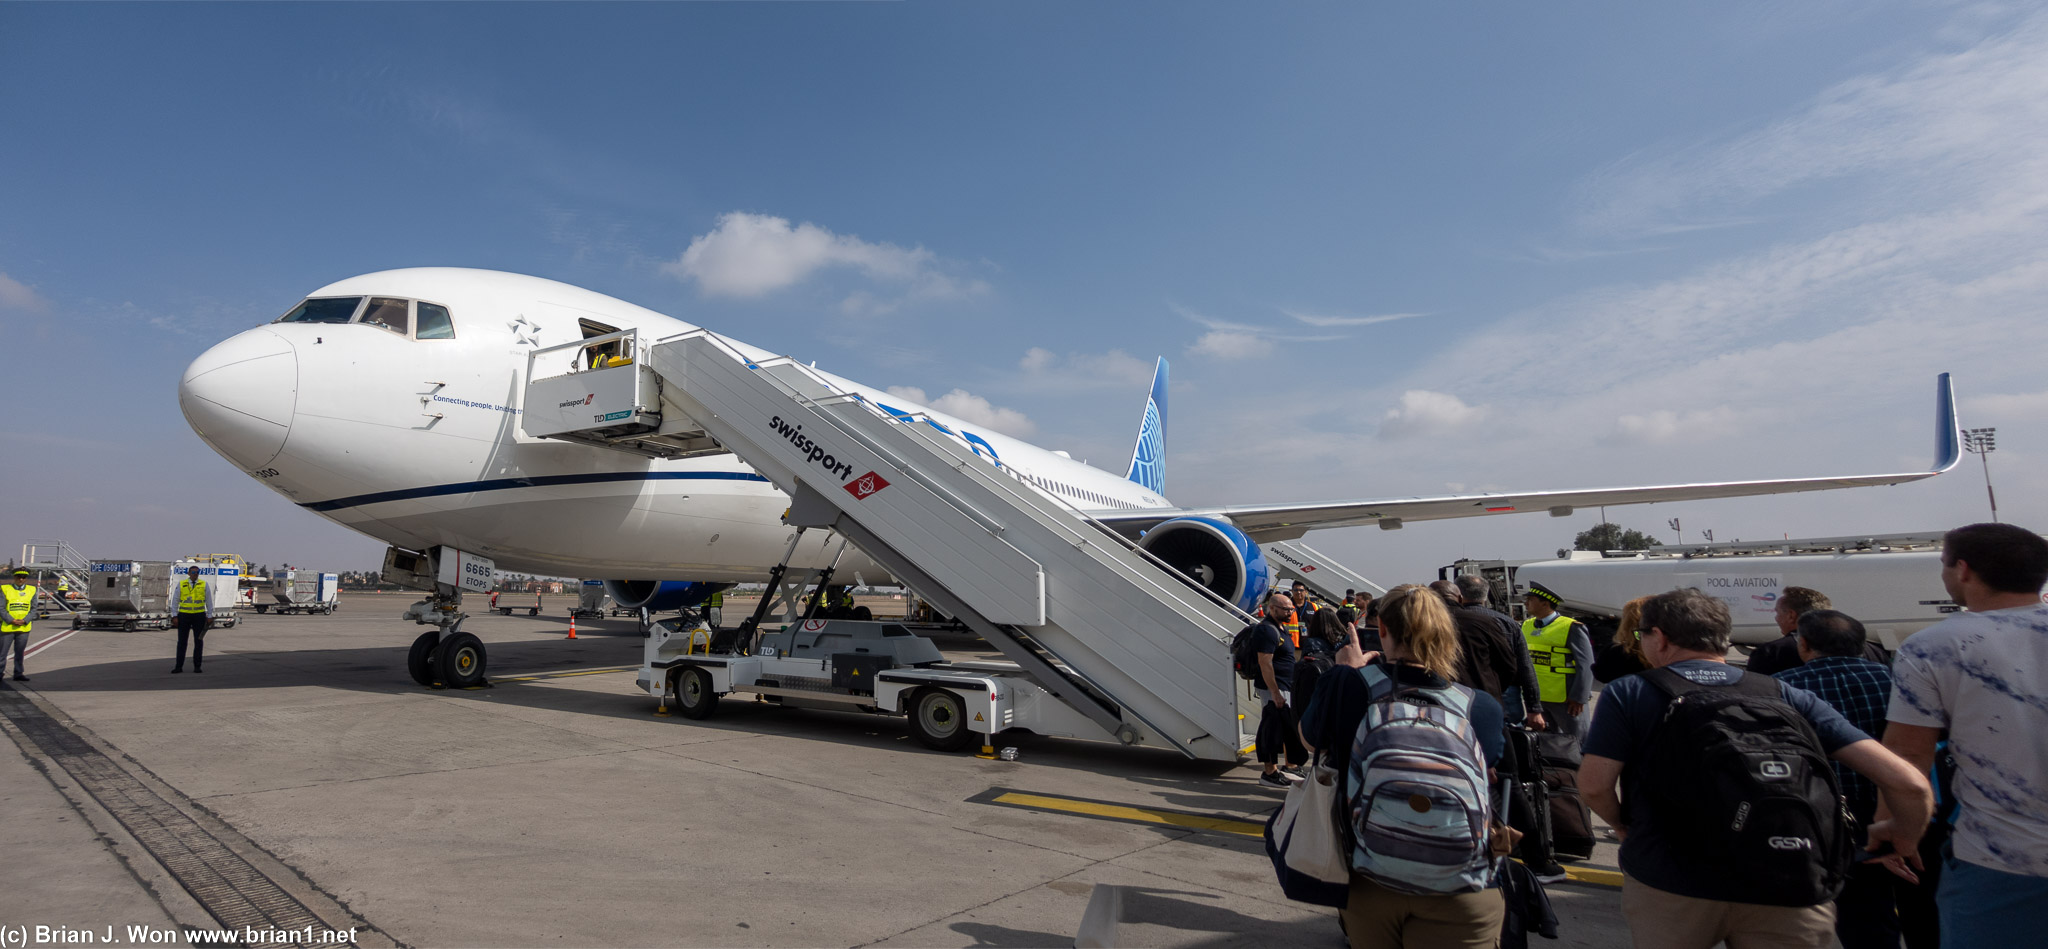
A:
1632, 620
1416, 619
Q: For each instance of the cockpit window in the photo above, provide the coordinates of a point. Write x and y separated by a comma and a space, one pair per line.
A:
392, 314
433, 322
323, 310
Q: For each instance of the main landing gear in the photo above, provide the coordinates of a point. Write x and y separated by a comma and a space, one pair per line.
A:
445, 657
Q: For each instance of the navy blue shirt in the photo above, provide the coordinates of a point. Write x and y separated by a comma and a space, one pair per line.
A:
1627, 713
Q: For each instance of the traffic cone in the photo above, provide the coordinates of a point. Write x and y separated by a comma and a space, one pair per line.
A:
572, 626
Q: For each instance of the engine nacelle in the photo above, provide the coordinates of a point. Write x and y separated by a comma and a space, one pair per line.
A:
1214, 554
660, 595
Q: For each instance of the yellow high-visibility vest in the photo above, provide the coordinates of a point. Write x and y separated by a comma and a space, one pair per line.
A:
1550, 648
20, 610
191, 596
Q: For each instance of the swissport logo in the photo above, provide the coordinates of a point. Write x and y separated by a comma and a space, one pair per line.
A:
866, 485
592, 397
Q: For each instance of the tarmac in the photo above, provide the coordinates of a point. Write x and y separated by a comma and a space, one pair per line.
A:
303, 782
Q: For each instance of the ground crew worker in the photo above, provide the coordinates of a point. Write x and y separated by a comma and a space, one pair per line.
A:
192, 604
18, 614
1562, 652
714, 609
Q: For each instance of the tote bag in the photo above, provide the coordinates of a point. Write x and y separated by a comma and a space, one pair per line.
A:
1306, 845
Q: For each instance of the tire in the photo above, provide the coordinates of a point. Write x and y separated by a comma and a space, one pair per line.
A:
460, 661
938, 719
420, 661
694, 697
863, 614
262, 607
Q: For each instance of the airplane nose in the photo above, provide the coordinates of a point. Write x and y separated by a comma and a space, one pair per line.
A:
239, 396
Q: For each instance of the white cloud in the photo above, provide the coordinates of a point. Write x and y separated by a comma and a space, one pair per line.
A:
750, 255
971, 408
15, 295
1045, 369
1231, 344
1314, 319
1666, 425
1423, 412
1227, 339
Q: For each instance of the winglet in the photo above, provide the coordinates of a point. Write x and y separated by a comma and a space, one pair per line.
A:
1148, 457
1948, 436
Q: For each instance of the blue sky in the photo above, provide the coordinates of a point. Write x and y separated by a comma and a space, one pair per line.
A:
1390, 249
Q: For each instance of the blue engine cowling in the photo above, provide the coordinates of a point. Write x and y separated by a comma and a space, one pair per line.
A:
1215, 554
660, 595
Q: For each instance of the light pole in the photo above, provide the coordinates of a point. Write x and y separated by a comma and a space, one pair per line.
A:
1984, 441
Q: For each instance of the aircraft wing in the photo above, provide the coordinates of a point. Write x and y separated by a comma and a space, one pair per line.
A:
1270, 522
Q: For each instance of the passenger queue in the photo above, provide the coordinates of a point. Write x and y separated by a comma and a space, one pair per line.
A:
1440, 759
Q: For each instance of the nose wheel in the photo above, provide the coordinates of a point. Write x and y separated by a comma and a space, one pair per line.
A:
420, 661
460, 661
456, 661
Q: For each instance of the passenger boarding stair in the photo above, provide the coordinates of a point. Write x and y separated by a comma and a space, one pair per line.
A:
1086, 615
55, 558
1294, 560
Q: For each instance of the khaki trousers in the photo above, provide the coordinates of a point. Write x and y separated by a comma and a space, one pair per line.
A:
1658, 919
1379, 918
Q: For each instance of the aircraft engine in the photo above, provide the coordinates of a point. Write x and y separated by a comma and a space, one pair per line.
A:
1213, 553
660, 595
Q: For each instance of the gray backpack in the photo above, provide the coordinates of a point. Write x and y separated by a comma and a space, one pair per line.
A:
1418, 796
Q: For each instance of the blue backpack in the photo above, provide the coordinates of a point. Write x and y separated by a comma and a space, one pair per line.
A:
1418, 795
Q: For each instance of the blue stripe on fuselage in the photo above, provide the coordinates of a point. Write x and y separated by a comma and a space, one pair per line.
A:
536, 481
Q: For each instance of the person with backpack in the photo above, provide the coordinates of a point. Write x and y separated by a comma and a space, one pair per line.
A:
1270, 654
1415, 750
1327, 633
1717, 782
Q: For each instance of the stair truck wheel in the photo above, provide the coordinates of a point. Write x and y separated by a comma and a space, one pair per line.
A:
939, 720
694, 697
461, 661
420, 661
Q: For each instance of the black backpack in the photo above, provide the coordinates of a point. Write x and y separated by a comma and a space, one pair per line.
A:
1743, 794
1243, 657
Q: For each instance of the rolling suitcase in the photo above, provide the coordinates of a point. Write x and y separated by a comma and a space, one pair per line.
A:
1528, 804
1571, 821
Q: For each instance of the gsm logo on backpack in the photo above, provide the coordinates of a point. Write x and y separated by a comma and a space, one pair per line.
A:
1774, 770
1790, 843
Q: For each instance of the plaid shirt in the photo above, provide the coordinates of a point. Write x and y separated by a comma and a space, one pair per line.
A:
1859, 689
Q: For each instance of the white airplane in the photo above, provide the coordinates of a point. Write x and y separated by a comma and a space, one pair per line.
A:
390, 403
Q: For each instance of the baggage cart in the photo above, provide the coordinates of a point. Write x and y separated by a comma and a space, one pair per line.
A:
303, 591
591, 601
128, 595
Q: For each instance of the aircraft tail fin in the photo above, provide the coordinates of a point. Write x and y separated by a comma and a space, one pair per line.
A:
1148, 458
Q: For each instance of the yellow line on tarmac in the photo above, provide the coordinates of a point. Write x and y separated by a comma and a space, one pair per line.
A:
1594, 876
1126, 812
